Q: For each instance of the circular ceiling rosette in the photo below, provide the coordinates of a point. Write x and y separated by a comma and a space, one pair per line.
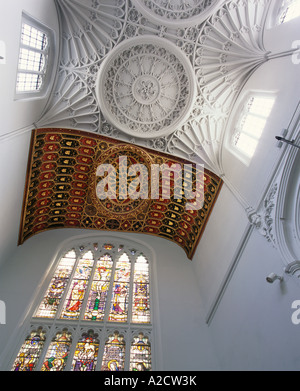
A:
146, 87
178, 13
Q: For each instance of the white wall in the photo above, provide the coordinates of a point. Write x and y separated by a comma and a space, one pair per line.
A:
185, 341
13, 160
281, 77
17, 116
248, 319
252, 328
218, 244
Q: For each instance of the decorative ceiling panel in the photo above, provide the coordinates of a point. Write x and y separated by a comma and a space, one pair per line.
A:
221, 40
146, 87
181, 12
61, 189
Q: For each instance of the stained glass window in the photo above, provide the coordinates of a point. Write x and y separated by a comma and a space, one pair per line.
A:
75, 296
50, 303
86, 353
140, 303
140, 354
108, 246
57, 353
98, 293
30, 351
114, 353
95, 289
119, 302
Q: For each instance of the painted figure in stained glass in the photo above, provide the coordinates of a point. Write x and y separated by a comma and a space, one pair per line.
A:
76, 293
141, 296
120, 298
55, 292
114, 354
85, 357
57, 354
140, 305
140, 354
30, 352
97, 300
119, 304
75, 298
50, 303
98, 293
113, 365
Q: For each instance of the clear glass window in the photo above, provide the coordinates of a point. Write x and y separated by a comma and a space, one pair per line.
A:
251, 123
290, 9
33, 57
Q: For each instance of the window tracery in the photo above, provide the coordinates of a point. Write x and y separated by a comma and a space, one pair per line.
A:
33, 63
95, 313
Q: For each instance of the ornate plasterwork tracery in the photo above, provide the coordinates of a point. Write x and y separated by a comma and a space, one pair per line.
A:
146, 87
181, 12
223, 51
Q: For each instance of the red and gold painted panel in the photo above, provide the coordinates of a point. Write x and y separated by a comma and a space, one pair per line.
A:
60, 190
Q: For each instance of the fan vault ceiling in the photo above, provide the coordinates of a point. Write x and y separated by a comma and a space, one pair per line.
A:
222, 51
161, 76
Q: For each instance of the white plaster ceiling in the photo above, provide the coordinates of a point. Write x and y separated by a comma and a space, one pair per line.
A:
160, 74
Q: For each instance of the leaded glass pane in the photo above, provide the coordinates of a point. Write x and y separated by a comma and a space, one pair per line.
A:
31, 61
119, 302
86, 352
140, 304
108, 246
114, 354
57, 353
30, 351
75, 296
112, 291
140, 354
33, 37
27, 82
50, 303
98, 293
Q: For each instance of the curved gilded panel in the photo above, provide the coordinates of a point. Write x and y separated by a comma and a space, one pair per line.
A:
64, 184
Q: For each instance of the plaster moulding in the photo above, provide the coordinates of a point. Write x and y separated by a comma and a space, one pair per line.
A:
146, 87
287, 222
278, 218
182, 12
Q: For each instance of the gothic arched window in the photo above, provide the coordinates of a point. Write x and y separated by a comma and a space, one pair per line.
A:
94, 314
